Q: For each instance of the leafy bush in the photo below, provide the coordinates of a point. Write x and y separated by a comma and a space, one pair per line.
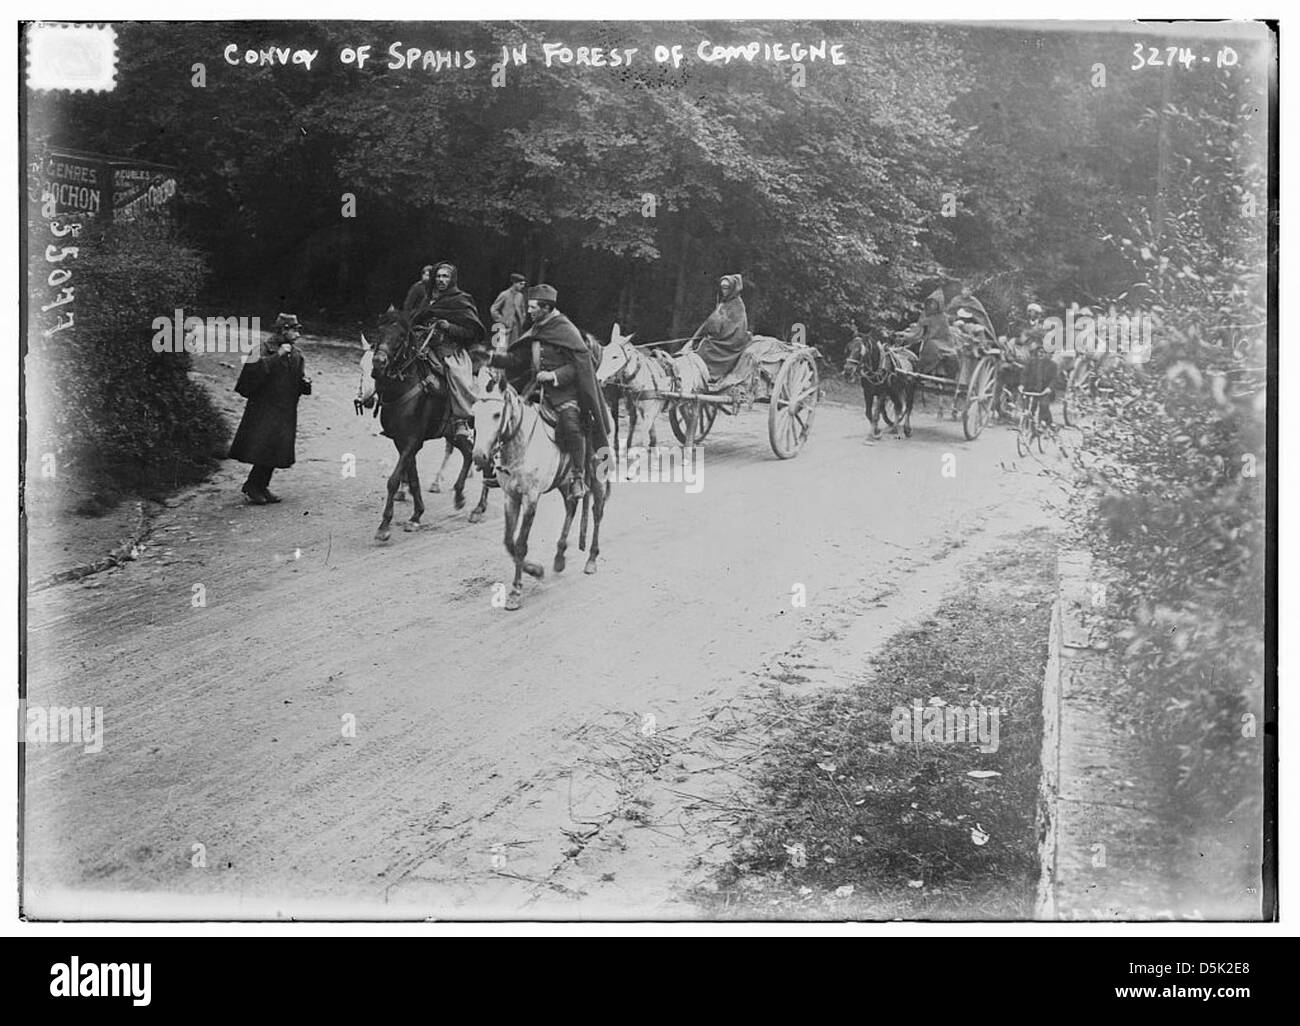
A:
101, 398
1175, 466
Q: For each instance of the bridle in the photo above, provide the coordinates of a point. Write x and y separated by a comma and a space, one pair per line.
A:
512, 417
622, 377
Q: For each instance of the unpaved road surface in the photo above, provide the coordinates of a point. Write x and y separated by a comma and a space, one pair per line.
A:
299, 721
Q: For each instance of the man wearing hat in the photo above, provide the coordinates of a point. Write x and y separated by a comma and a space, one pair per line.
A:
552, 352
272, 380
509, 310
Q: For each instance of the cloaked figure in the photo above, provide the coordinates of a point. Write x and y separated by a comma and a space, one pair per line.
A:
724, 336
272, 380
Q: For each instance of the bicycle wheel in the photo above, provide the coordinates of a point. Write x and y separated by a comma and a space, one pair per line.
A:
1022, 434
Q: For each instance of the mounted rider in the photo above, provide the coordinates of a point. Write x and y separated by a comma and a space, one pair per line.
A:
554, 357
455, 338
418, 294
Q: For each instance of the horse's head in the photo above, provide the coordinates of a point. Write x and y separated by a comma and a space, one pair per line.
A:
615, 356
366, 386
496, 417
394, 331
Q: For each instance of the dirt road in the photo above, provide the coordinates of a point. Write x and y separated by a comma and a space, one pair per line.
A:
299, 721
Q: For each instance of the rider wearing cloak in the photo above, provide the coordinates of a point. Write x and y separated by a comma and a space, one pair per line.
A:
554, 354
451, 313
932, 333
725, 334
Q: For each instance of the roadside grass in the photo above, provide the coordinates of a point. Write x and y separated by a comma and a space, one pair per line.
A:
851, 824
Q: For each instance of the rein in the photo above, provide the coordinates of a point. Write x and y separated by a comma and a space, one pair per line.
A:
627, 382
401, 368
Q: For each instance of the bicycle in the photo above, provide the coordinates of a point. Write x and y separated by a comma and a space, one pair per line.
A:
1030, 430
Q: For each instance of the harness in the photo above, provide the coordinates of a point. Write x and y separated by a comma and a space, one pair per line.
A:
512, 406
412, 356
635, 363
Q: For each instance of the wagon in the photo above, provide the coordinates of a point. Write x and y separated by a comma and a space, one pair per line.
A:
783, 375
978, 380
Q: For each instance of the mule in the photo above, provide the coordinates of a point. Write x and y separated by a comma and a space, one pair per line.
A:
529, 464
643, 378
885, 374
410, 417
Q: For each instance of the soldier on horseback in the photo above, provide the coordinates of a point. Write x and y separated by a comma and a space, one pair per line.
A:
455, 333
554, 355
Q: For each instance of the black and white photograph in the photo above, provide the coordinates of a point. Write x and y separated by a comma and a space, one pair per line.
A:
689, 471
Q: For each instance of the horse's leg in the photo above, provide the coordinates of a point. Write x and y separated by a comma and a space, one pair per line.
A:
909, 396
395, 480
413, 480
511, 509
521, 542
598, 494
570, 507
442, 467
512, 546
477, 513
466, 448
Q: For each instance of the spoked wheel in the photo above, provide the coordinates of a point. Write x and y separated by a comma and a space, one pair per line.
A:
706, 415
1022, 435
980, 397
793, 404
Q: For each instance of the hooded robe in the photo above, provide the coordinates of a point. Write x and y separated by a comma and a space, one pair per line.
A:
464, 331
725, 333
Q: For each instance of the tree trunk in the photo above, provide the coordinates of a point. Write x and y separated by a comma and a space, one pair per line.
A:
679, 291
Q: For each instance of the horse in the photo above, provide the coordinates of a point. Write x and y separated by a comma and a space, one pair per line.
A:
481, 380
530, 464
885, 375
643, 379
410, 416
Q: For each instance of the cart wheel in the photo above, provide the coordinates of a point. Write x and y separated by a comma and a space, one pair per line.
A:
979, 397
792, 405
706, 414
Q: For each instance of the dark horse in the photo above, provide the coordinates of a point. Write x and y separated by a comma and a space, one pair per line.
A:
885, 373
410, 417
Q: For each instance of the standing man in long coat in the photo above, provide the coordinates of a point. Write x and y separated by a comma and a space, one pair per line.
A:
553, 352
509, 311
272, 380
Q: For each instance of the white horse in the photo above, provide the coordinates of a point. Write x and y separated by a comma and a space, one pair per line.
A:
642, 378
530, 464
